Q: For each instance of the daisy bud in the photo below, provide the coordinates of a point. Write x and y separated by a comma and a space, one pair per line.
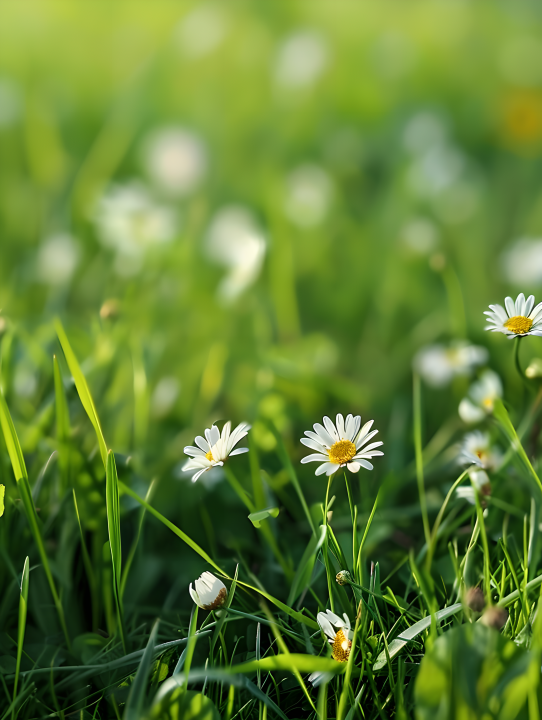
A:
474, 599
209, 592
343, 577
495, 617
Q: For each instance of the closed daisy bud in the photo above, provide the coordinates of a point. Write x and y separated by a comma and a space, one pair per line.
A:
495, 617
209, 592
474, 599
343, 577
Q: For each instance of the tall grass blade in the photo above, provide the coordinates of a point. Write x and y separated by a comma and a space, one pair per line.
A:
82, 388
136, 698
113, 527
19, 469
23, 605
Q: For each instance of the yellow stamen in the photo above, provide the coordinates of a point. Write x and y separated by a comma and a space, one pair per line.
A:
341, 647
341, 452
519, 324
209, 456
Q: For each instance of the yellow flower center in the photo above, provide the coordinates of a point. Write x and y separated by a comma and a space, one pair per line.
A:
341, 647
209, 456
519, 324
341, 452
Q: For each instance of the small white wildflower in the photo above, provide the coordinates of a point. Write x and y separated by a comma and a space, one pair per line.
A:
302, 58
480, 398
340, 638
215, 448
521, 264
57, 259
208, 592
175, 159
479, 480
520, 318
202, 30
235, 241
341, 444
308, 195
476, 449
439, 364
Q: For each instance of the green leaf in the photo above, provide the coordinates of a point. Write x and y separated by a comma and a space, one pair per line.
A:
82, 388
113, 526
257, 517
186, 704
401, 640
2, 499
134, 704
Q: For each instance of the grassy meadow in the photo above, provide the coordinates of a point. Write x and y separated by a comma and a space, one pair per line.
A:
270, 213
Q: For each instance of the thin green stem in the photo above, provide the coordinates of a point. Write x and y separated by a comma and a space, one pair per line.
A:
434, 533
487, 574
329, 570
239, 489
417, 397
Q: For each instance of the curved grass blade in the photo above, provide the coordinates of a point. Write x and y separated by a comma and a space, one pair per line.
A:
21, 476
23, 605
2, 499
82, 388
257, 517
501, 414
401, 640
136, 698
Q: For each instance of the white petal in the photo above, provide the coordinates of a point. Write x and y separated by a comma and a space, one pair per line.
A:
364, 430
323, 433
238, 451
365, 439
339, 420
202, 443
365, 463
312, 444
325, 468
317, 438
353, 467
325, 625
510, 306
520, 304
529, 305
330, 427
316, 457
199, 474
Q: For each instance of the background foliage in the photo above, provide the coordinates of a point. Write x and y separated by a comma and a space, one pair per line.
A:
363, 182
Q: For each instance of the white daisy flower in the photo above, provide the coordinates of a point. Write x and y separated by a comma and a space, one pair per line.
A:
480, 481
209, 592
214, 448
480, 398
302, 58
438, 364
340, 638
341, 443
520, 318
175, 159
476, 449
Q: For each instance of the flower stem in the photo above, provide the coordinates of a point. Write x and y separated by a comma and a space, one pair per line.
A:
329, 569
417, 402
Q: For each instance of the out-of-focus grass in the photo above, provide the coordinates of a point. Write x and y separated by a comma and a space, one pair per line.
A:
385, 171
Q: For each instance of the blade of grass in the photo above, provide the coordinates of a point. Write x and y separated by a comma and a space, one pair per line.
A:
91, 577
502, 417
136, 698
19, 469
113, 526
131, 555
23, 605
417, 403
82, 388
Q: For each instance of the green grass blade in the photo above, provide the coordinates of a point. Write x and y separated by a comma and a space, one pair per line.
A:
82, 388
136, 698
23, 605
407, 635
131, 555
2, 499
306, 565
113, 526
91, 577
62, 413
502, 417
191, 644
19, 469
224, 612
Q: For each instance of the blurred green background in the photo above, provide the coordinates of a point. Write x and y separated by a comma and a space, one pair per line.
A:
260, 212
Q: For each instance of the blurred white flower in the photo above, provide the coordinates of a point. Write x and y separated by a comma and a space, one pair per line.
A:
202, 30
522, 263
339, 639
476, 449
436, 169
420, 235
309, 190
439, 364
480, 480
215, 448
424, 130
520, 318
302, 58
480, 398
341, 444
131, 222
164, 396
57, 259
208, 592
235, 241
10, 102
174, 159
